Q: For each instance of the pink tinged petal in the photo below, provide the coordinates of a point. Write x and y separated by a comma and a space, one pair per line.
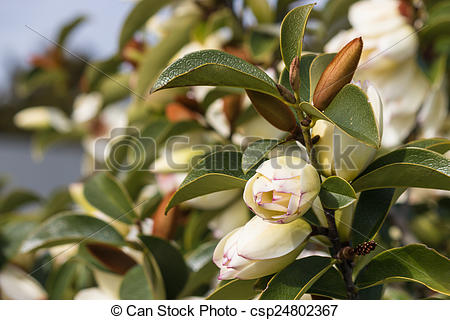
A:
261, 268
261, 184
227, 274
292, 185
294, 204
223, 246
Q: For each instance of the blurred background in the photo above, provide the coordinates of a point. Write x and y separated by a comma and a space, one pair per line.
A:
95, 38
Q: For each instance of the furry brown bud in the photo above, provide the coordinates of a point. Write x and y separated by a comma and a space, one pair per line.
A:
286, 94
294, 74
338, 73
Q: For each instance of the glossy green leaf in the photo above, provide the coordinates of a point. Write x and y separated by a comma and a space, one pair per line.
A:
256, 152
351, 111
105, 193
305, 79
336, 193
371, 212
406, 167
234, 290
135, 285
414, 262
203, 270
295, 280
72, 228
216, 172
195, 69
153, 275
155, 59
291, 33
439, 145
171, 263
331, 285
137, 18
316, 68
276, 112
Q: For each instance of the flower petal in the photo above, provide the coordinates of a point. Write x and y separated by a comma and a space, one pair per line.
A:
263, 240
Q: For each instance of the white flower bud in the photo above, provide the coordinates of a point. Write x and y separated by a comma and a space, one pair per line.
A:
259, 248
40, 118
283, 189
16, 284
338, 153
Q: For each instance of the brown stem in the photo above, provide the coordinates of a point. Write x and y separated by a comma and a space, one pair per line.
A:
345, 265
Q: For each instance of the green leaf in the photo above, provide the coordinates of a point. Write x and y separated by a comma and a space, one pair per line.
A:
171, 263
216, 172
203, 270
60, 285
316, 68
69, 228
305, 64
234, 290
291, 33
351, 111
336, 193
256, 152
17, 198
414, 262
439, 145
154, 276
135, 285
215, 68
371, 212
406, 167
137, 18
157, 57
105, 193
331, 285
305, 83
294, 280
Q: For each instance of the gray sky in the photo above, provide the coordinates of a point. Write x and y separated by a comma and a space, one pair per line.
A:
97, 36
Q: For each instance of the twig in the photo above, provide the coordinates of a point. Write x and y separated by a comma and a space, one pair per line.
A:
345, 265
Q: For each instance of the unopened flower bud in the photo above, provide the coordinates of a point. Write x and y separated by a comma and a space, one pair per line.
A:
259, 248
286, 94
338, 73
340, 154
282, 189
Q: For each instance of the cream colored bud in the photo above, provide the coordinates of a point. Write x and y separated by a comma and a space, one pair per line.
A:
260, 248
282, 189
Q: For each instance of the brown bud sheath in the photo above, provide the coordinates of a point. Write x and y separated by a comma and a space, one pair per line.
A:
294, 74
286, 94
338, 73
